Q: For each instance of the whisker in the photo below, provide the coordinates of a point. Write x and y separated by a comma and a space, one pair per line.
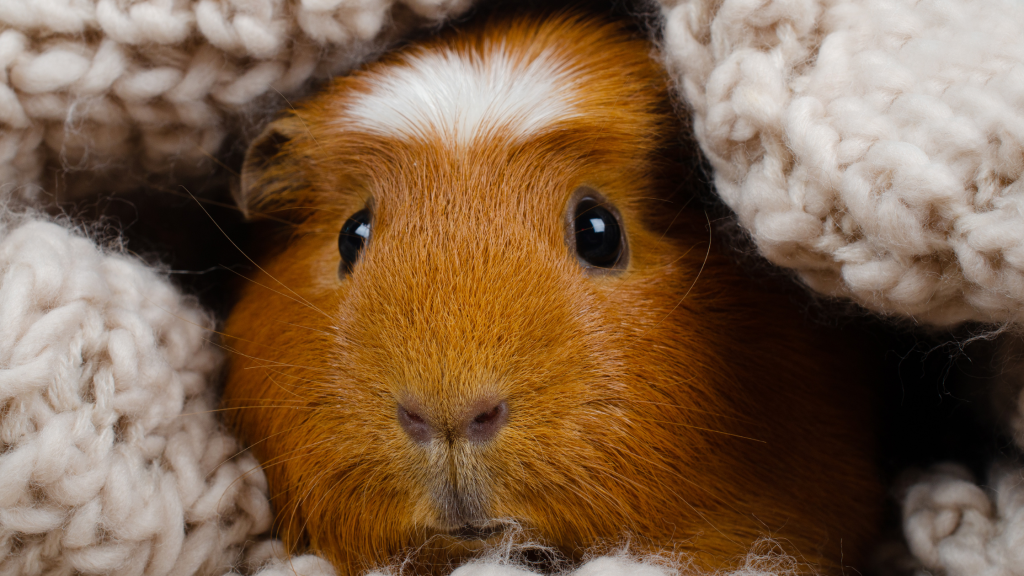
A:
247, 448
295, 507
334, 392
680, 407
300, 118
279, 385
676, 217
694, 283
701, 428
324, 332
249, 407
675, 473
278, 292
229, 206
218, 161
231, 349
215, 223
219, 333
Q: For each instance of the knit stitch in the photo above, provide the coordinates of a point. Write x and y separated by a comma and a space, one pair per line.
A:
88, 82
957, 528
874, 146
111, 458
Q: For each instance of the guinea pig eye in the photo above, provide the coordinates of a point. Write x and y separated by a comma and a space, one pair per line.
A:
597, 234
354, 234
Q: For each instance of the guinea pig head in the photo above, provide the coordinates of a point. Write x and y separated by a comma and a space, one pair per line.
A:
492, 308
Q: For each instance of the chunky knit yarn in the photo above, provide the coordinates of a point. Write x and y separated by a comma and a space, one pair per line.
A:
955, 527
876, 147
111, 458
89, 82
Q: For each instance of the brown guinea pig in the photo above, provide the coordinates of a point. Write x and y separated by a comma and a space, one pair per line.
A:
494, 309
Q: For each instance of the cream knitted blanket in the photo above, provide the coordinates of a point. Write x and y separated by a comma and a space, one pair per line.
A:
873, 146
876, 147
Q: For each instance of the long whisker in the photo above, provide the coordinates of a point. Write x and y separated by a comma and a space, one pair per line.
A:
295, 507
249, 407
676, 217
680, 407
219, 333
270, 362
700, 428
324, 332
694, 283
279, 385
218, 161
215, 223
227, 205
298, 300
236, 454
661, 466
334, 392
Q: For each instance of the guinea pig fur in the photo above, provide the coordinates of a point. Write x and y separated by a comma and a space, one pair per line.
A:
494, 308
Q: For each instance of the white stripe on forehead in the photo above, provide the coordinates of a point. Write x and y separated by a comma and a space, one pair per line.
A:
461, 96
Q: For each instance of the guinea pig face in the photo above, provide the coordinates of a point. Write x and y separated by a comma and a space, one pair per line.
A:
493, 311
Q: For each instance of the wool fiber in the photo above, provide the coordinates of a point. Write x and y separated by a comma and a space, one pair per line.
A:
873, 146
160, 83
111, 458
956, 527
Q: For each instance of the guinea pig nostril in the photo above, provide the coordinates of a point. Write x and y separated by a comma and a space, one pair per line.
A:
486, 423
414, 425
488, 416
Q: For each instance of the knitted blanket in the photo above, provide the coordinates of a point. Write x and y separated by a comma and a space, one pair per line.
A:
876, 147
873, 146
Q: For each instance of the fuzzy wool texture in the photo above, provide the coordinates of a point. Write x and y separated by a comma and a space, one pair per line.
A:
764, 559
875, 147
111, 458
956, 527
160, 83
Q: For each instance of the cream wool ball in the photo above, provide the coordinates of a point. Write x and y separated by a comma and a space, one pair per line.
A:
876, 147
955, 527
111, 458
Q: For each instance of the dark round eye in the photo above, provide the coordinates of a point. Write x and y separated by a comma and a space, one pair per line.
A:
354, 234
598, 236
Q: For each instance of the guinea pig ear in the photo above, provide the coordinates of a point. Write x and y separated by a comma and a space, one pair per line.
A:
270, 170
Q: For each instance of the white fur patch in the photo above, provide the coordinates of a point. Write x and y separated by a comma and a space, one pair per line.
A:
463, 96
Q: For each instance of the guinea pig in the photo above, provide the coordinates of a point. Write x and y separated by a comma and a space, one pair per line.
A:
494, 310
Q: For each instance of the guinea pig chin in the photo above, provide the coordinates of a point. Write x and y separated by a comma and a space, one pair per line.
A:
458, 492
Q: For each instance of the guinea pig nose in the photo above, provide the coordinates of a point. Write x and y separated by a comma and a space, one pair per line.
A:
484, 420
415, 425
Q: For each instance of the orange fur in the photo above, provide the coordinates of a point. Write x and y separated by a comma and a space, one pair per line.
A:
676, 403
